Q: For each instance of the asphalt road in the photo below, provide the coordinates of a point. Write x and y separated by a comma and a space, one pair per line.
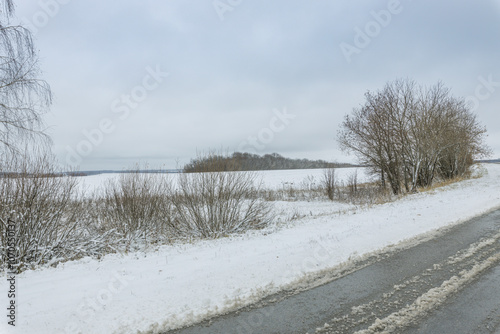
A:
476, 309
449, 284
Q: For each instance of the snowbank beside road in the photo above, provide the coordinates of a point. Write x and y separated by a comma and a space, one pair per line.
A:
182, 283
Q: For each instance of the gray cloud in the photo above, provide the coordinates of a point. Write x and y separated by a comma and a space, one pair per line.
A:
227, 76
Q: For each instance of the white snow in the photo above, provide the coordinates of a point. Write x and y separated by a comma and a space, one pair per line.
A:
182, 283
271, 180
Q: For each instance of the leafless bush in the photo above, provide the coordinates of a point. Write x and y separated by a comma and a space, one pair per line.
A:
352, 183
136, 207
37, 198
93, 238
329, 182
330, 186
215, 203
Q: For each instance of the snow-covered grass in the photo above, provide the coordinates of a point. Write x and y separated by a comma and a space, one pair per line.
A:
186, 282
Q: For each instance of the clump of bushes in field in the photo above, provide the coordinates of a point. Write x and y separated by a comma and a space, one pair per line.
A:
213, 203
330, 187
54, 222
39, 218
352, 191
412, 135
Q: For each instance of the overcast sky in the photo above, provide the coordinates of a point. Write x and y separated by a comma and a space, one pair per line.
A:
156, 81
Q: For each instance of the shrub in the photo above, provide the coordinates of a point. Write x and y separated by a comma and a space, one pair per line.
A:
136, 206
214, 204
38, 199
352, 183
329, 182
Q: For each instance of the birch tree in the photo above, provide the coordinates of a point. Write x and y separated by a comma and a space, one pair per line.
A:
24, 97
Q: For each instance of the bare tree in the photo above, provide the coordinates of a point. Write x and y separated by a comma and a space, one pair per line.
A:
410, 134
24, 98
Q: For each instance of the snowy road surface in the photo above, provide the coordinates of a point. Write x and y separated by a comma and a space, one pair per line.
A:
475, 310
449, 284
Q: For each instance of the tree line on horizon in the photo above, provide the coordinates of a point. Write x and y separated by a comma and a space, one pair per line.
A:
241, 161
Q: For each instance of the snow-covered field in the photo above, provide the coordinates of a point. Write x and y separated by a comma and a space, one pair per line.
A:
182, 283
272, 180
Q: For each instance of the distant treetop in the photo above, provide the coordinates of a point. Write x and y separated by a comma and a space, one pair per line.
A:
240, 161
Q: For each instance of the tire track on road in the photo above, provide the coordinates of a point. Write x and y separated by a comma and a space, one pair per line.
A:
409, 301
